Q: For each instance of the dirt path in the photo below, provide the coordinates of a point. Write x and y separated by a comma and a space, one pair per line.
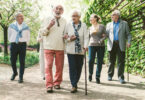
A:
33, 87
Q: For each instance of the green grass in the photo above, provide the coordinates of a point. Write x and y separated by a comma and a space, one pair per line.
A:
32, 58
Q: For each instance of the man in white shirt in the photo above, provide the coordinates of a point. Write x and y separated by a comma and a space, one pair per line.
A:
52, 32
18, 36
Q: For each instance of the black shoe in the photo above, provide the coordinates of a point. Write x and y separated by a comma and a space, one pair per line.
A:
13, 77
43, 78
49, 90
57, 87
109, 78
74, 90
90, 78
122, 81
20, 81
97, 80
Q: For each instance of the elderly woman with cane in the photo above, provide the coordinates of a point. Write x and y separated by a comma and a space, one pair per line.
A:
76, 37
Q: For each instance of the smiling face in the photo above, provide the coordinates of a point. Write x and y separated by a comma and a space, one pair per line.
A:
20, 18
94, 19
75, 17
58, 11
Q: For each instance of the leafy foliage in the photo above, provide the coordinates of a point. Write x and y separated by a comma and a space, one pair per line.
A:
29, 8
133, 11
31, 59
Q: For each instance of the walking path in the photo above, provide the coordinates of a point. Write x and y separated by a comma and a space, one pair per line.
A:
33, 87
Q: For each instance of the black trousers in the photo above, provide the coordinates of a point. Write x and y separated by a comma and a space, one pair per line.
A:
114, 54
15, 51
75, 68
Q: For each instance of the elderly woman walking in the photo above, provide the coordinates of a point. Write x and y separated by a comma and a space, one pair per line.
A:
76, 44
96, 46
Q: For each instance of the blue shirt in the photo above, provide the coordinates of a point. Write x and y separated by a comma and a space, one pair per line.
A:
116, 30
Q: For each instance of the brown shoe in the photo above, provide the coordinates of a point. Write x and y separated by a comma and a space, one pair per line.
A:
57, 87
74, 90
49, 90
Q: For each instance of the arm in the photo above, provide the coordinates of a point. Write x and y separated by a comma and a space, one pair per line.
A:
66, 36
86, 37
128, 35
104, 34
107, 30
45, 28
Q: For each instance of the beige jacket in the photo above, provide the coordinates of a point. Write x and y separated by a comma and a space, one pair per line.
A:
83, 35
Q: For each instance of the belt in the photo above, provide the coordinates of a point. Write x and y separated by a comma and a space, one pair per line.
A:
116, 41
18, 43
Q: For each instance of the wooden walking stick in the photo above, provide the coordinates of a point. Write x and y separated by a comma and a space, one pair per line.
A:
127, 66
85, 74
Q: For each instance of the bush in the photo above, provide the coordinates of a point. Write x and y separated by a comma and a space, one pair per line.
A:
136, 59
32, 58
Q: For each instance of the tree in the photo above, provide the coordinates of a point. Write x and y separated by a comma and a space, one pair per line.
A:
9, 8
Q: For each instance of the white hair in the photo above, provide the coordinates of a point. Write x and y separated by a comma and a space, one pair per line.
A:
54, 7
76, 11
116, 12
17, 14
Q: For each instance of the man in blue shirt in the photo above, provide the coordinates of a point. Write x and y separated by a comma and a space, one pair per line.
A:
118, 33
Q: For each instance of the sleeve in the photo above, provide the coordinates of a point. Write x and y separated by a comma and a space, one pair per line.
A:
66, 32
86, 36
107, 29
43, 29
128, 35
9, 34
104, 34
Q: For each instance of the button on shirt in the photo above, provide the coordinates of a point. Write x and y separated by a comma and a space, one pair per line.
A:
116, 30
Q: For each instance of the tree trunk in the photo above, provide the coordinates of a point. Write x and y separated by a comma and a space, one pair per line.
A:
5, 29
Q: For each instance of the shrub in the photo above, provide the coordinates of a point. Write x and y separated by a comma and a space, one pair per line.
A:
31, 59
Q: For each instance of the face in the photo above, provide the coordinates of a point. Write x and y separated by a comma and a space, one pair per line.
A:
75, 17
58, 11
115, 17
20, 18
92, 19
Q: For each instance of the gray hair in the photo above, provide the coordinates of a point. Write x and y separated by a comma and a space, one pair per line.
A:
116, 12
17, 14
54, 7
76, 11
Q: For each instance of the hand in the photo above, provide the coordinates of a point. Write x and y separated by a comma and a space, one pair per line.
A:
103, 35
40, 39
85, 49
52, 22
128, 45
73, 37
66, 36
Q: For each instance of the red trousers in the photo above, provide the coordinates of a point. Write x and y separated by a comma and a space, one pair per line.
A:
50, 55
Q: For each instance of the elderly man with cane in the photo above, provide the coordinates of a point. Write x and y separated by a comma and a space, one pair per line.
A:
118, 33
52, 31
18, 36
76, 37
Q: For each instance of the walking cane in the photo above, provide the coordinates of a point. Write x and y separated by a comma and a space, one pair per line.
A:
85, 74
127, 66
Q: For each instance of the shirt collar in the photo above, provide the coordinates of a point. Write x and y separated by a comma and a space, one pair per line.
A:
117, 22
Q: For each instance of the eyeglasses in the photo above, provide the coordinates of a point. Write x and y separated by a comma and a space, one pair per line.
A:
75, 16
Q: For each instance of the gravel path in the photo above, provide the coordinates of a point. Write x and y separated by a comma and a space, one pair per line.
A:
33, 87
